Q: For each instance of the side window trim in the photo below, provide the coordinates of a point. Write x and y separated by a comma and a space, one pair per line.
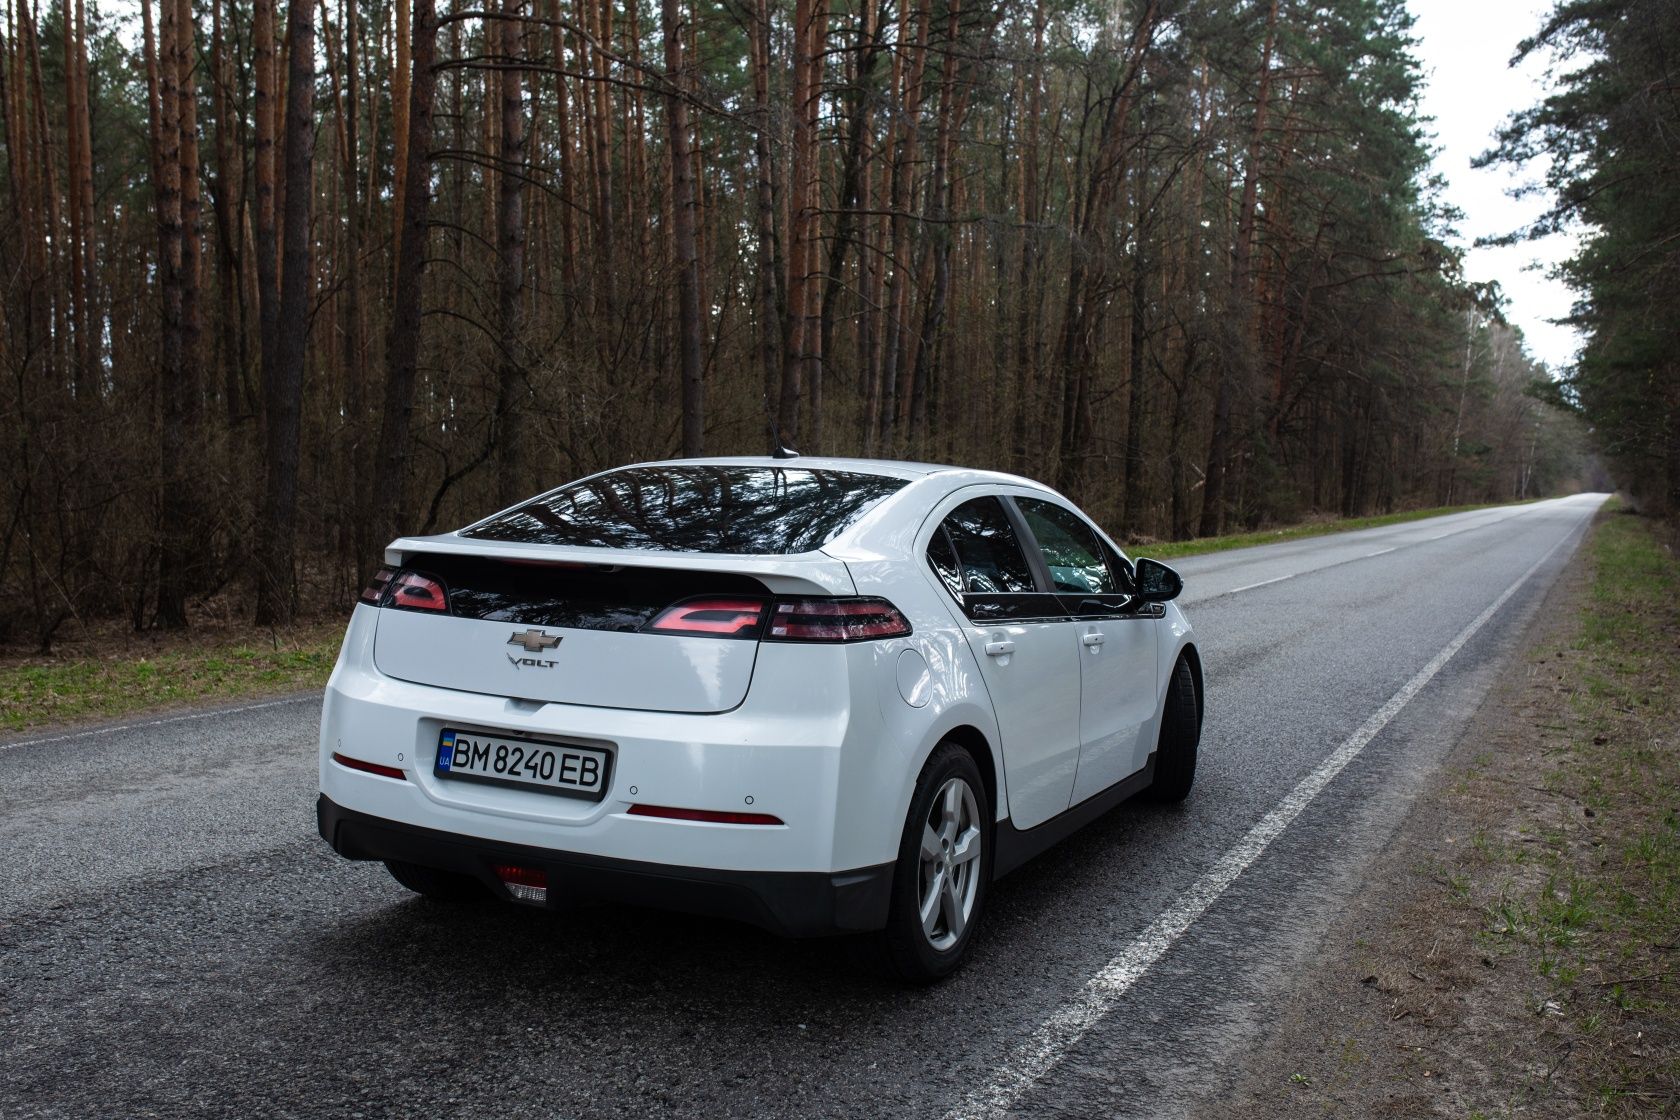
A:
1124, 575
1029, 545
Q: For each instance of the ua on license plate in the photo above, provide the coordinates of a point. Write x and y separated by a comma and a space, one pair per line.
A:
549, 767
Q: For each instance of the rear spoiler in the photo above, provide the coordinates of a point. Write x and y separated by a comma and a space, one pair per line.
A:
806, 573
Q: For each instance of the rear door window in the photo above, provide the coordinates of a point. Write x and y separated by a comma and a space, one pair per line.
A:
989, 555
992, 578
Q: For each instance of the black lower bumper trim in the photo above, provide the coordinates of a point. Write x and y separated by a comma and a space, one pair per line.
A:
791, 903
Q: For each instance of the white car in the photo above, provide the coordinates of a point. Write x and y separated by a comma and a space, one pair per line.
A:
818, 695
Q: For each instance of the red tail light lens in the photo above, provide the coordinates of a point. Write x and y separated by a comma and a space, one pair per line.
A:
415, 592
375, 590
836, 620
710, 618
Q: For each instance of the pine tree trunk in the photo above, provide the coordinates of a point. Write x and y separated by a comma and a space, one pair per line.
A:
401, 76
683, 238
1237, 357
402, 350
283, 384
511, 387
163, 74
770, 292
810, 21
226, 206
267, 245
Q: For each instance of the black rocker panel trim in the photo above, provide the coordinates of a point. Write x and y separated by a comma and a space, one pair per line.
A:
1015, 846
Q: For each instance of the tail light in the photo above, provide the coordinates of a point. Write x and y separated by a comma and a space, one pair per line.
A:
397, 587
375, 590
415, 592
836, 620
710, 617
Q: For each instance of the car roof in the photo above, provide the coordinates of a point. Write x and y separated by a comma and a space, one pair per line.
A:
888, 467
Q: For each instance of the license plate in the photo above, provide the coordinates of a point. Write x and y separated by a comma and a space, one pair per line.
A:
562, 768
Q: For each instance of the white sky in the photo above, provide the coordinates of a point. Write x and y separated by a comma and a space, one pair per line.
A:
1465, 46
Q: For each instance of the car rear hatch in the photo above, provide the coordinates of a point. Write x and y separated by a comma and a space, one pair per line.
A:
591, 626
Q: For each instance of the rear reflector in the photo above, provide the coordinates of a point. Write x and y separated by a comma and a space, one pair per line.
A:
525, 884
711, 816
836, 620
370, 767
711, 618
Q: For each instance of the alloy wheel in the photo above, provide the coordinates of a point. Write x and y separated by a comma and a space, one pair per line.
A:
952, 837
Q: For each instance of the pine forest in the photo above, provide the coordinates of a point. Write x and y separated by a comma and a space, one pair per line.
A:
281, 281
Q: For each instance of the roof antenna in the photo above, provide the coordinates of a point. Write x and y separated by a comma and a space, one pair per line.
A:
782, 450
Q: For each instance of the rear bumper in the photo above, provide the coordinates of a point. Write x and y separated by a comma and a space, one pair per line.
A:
790, 903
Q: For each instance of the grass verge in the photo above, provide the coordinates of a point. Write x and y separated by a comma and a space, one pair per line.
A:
1514, 951
1588, 893
126, 673
1168, 550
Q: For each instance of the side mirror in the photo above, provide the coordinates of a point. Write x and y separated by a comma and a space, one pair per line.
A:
1156, 583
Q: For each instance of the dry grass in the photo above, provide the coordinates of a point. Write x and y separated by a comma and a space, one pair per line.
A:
106, 671
1516, 951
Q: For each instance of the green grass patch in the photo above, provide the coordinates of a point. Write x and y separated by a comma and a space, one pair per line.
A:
138, 673
1600, 925
1168, 550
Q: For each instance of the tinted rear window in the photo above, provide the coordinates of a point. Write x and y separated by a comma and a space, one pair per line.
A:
746, 510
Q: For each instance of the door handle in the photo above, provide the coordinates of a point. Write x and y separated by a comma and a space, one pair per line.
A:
1000, 647
1093, 639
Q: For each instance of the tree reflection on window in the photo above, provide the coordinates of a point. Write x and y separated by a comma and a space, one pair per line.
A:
1070, 549
990, 555
727, 509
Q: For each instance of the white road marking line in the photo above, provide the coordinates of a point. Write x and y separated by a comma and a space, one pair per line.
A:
1043, 1050
4, 747
1379, 552
1262, 583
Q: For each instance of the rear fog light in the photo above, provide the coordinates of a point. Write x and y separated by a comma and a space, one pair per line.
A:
525, 884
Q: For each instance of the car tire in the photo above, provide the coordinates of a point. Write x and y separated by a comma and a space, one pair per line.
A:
439, 886
1181, 733
950, 816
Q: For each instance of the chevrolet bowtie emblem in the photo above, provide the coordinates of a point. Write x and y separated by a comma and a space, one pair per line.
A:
534, 641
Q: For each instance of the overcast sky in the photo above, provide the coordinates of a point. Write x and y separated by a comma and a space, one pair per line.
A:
1465, 46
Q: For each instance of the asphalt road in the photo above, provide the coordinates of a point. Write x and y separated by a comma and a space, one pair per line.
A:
176, 941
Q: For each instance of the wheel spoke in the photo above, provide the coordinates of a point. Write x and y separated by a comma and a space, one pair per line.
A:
952, 907
930, 843
967, 846
931, 903
951, 815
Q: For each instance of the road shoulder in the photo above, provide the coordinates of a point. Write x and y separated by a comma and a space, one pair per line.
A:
1513, 950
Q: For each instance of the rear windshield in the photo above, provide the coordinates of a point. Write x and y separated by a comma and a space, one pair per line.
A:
746, 510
